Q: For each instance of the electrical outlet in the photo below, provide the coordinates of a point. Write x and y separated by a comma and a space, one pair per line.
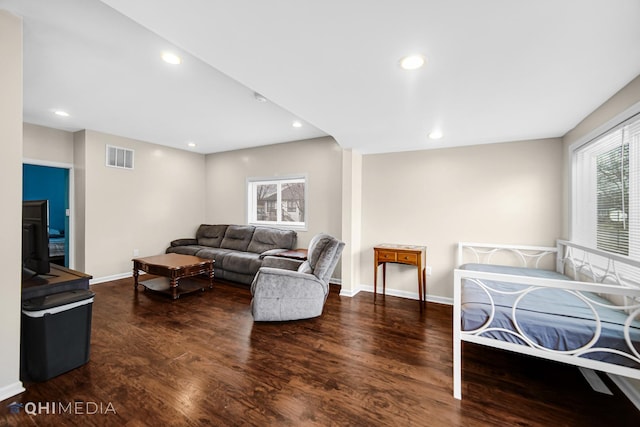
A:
428, 270
136, 252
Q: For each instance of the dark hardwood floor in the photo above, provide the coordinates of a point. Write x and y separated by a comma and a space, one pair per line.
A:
201, 360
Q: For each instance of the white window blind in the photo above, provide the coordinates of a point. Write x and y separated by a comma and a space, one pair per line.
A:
606, 181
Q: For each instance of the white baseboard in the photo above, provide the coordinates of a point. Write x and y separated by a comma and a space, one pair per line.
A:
440, 300
103, 279
396, 293
630, 390
350, 294
11, 390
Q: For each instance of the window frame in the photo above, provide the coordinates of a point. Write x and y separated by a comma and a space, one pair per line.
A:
579, 223
251, 185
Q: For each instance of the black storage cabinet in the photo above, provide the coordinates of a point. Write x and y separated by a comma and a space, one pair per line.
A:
56, 334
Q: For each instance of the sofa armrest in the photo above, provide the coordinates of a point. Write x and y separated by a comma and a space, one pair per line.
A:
280, 262
184, 242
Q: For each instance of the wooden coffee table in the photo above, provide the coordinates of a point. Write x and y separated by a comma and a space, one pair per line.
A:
174, 269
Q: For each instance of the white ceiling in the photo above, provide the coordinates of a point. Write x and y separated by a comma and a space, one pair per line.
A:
497, 70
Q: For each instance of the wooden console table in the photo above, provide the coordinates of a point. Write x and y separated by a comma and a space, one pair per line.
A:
401, 254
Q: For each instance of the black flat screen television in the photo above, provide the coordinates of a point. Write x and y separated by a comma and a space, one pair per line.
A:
35, 238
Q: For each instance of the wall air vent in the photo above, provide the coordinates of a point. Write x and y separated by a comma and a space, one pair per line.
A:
118, 157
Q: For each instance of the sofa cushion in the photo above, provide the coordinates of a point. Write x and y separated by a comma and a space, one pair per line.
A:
267, 238
242, 262
211, 235
216, 254
237, 237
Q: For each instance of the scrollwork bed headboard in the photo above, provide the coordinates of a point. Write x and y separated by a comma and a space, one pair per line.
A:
517, 255
594, 265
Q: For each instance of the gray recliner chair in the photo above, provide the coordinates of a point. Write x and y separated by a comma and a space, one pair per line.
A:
286, 289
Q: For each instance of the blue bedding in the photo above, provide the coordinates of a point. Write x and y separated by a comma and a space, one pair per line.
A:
551, 318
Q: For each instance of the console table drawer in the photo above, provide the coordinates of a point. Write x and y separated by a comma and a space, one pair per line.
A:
406, 258
387, 256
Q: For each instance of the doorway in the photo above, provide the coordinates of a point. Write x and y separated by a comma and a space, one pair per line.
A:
40, 182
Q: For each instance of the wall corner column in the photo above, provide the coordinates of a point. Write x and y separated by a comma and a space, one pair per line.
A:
11, 101
351, 221
80, 194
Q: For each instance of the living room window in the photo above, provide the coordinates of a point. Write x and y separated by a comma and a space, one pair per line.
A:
278, 202
606, 191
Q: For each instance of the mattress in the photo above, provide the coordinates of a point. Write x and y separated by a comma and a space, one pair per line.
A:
551, 318
56, 246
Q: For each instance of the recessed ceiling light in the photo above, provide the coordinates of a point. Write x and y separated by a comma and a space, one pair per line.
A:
192, 144
297, 124
61, 113
412, 62
436, 134
171, 58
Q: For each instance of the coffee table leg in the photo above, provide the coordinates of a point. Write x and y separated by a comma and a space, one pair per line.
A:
174, 287
135, 277
211, 279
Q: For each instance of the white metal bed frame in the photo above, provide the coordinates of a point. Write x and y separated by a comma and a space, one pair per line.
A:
602, 273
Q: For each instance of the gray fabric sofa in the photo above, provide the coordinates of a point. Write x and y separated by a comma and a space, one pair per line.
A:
286, 290
238, 250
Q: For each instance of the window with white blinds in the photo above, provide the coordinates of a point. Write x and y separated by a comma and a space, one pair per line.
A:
606, 191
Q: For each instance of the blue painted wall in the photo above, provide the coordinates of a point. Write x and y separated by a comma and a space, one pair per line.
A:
43, 182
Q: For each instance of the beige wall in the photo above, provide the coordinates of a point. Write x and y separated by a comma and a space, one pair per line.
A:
499, 193
11, 177
160, 200
320, 159
47, 144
